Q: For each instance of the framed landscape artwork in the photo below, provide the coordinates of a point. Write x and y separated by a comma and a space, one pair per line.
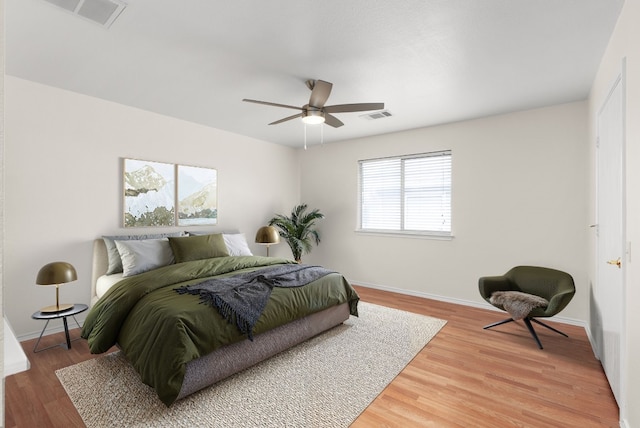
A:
197, 196
164, 194
149, 193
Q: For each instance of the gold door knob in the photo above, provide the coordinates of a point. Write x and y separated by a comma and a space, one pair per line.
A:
616, 262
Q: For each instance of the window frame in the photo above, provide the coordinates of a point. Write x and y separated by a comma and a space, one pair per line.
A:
431, 234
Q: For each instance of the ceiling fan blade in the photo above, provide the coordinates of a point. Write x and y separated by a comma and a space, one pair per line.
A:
286, 118
345, 108
266, 103
332, 121
320, 93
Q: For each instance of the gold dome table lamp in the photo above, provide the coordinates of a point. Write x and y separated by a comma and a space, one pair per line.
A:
56, 273
267, 235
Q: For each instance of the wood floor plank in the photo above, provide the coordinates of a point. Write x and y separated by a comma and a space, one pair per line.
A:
465, 376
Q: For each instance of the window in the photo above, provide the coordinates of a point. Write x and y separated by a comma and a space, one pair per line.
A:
407, 194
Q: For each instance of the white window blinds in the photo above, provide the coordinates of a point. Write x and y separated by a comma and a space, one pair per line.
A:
406, 194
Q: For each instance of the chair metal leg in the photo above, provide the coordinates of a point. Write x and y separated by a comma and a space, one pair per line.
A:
527, 322
548, 326
498, 323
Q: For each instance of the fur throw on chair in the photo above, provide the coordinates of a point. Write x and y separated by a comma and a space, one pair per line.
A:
517, 303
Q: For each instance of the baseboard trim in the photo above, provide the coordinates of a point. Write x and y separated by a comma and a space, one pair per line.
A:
52, 330
422, 294
463, 302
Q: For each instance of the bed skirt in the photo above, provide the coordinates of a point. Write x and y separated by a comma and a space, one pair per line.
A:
231, 359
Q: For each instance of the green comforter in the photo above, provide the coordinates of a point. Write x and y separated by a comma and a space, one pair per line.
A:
160, 331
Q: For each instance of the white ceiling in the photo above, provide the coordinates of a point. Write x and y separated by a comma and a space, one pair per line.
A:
429, 61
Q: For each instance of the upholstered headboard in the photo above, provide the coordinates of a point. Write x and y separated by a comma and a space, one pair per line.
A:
99, 266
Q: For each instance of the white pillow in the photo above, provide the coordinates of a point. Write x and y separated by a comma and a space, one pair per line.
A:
236, 244
139, 256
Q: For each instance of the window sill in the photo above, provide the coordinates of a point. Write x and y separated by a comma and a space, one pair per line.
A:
407, 234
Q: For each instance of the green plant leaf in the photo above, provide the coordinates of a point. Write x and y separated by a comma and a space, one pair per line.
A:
299, 229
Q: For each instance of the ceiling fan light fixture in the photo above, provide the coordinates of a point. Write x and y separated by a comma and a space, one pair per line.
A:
315, 112
313, 117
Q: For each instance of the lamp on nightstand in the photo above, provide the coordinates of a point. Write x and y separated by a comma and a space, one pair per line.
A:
267, 235
56, 273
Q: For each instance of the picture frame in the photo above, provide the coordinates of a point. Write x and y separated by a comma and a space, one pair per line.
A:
197, 196
149, 193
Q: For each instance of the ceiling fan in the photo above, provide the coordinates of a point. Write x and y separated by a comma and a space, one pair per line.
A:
316, 112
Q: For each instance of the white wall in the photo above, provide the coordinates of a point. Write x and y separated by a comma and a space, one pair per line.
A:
519, 197
63, 171
625, 43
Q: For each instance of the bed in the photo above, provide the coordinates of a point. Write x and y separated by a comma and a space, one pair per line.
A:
179, 345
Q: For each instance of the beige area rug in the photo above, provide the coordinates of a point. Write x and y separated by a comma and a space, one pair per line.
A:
324, 382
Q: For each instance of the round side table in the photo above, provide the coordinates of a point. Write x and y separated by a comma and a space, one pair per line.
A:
71, 312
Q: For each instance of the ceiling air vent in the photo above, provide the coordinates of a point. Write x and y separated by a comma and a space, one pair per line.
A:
377, 115
102, 12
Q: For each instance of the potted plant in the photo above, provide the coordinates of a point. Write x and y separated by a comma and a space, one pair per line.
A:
298, 229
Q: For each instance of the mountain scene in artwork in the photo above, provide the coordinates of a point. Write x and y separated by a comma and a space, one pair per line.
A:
198, 200
149, 198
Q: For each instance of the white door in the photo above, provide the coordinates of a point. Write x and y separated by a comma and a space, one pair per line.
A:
610, 258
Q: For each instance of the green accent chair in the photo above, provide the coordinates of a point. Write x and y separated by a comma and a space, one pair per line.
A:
554, 285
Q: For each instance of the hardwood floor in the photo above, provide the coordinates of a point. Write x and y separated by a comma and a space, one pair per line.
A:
464, 377
470, 377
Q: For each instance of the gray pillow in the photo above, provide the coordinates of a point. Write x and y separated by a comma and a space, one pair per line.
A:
199, 233
142, 255
115, 262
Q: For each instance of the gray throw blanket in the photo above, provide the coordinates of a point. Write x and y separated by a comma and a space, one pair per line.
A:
243, 297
